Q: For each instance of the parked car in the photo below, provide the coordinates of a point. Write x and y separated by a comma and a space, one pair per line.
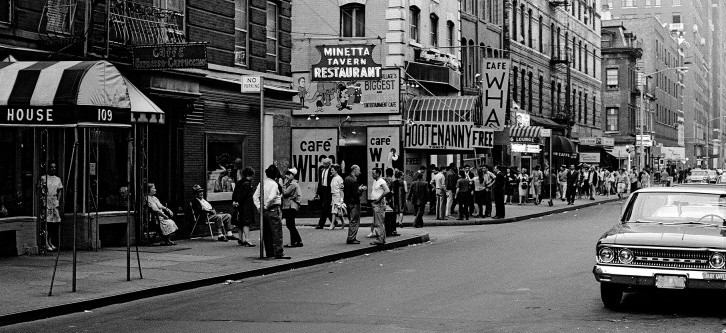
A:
702, 176
667, 237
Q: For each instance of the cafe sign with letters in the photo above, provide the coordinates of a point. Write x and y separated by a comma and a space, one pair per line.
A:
169, 56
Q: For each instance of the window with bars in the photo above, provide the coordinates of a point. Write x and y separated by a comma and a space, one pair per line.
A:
352, 20
240, 32
434, 30
272, 39
415, 23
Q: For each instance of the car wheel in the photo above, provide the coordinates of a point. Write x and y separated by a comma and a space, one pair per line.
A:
611, 295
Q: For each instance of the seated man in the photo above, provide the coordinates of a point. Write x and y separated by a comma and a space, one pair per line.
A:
221, 221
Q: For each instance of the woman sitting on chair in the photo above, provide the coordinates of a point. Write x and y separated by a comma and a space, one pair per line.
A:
166, 224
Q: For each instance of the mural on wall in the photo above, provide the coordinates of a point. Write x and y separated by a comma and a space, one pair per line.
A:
380, 96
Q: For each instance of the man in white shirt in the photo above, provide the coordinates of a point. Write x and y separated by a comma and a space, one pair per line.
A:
378, 201
221, 220
272, 216
439, 183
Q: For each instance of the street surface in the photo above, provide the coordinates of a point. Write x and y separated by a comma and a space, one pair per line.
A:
529, 276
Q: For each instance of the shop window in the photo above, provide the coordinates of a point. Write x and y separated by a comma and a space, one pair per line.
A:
108, 156
611, 120
352, 20
6, 10
222, 150
272, 42
240, 32
16, 173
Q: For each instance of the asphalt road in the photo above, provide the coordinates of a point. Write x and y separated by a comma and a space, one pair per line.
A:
529, 276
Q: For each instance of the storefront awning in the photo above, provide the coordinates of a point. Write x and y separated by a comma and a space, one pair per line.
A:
525, 131
69, 94
563, 147
453, 109
545, 122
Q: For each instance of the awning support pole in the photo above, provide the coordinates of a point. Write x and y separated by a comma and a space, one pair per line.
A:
262, 165
75, 205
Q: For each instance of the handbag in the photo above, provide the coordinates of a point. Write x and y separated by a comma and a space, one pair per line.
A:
524, 186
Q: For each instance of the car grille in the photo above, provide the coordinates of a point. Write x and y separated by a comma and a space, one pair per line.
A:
671, 258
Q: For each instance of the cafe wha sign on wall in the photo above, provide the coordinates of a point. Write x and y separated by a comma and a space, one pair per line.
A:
345, 63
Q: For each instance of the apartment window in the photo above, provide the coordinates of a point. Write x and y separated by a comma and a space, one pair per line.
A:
178, 6
676, 17
415, 23
272, 36
594, 109
514, 20
464, 62
352, 20
647, 3
540, 35
553, 106
541, 93
657, 3
434, 30
490, 11
514, 85
552, 40
579, 56
6, 10
611, 120
559, 43
584, 121
474, 63
578, 94
529, 106
240, 32
676, 3
529, 29
627, 3
522, 12
586, 62
612, 77
522, 91
449, 33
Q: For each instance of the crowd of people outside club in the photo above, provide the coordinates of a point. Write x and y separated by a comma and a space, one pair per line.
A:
451, 192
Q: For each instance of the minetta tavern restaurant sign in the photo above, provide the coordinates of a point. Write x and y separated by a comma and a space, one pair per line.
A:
346, 62
446, 136
169, 56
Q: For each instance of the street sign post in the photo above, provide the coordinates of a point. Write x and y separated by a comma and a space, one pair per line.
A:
254, 84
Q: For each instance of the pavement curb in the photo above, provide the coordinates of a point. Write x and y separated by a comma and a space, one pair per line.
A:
64, 309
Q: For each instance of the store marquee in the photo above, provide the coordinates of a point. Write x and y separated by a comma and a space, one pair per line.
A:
446, 136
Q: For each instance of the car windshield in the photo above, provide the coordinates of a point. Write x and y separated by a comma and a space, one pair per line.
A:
699, 173
677, 207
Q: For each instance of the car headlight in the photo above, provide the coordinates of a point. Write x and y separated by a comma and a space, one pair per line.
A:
606, 255
625, 256
717, 260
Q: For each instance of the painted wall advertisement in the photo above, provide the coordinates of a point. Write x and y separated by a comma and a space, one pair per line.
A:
381, 142
348, 96
495, 90
309, 147
446, 136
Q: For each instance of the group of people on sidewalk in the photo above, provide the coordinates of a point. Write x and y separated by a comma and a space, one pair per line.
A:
585, 180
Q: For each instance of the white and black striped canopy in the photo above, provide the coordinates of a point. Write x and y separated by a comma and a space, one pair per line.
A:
70, 93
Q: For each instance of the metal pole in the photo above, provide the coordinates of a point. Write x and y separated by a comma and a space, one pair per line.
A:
128, 216
551, 173
642, 121
75, 207
262, 164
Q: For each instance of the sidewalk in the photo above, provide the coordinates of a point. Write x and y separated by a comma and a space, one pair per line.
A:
101, 275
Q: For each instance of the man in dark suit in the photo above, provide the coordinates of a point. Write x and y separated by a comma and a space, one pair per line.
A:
418, 195
498, 191
323, 192
573, 176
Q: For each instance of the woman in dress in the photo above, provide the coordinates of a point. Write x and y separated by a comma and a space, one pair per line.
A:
163, 214
512, 184
244, 205
398, 188
336, 202
523, 187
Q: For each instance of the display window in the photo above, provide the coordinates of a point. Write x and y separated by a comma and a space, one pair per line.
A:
222, 151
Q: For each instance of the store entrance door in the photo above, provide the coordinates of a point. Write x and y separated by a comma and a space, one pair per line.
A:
525, 163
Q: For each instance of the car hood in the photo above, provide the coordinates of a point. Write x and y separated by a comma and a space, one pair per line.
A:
663, 235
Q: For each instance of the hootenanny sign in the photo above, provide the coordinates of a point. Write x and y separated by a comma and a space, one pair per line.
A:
169, 56
446, 136
309, 147
346, 62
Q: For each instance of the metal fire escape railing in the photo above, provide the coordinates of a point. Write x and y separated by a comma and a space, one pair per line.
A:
138, 24
58, 18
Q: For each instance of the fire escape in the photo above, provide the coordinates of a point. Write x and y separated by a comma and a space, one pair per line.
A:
563, 115
58, 22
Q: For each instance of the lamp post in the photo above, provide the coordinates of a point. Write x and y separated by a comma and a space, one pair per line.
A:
642, 82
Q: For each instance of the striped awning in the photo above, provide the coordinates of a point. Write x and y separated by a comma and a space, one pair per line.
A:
457, 109
69, 94
525, 131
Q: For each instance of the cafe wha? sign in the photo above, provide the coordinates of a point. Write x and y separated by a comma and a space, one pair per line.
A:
347, 62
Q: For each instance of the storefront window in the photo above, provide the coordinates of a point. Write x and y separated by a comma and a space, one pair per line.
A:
222, 151
16, 173
108, 157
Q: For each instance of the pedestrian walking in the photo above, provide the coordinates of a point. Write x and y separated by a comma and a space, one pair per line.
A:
591, 182
500, 181
512, 185
398, 191
244, 206
439, 183
379, 190
323, 193
537, 178
562, 182
573, 177
337, 208
418, 196
664, 178
480, 185
290, 206
633, 180
272, 223
451, 179
462, 195
622, 180
351, 196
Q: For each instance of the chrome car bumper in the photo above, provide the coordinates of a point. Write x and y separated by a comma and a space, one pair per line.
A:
639, 276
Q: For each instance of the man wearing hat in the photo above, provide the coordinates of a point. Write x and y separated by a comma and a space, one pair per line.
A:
221, 221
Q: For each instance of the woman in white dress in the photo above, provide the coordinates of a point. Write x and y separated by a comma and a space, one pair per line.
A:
336, 202
53, 190
166, 224
523, 186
